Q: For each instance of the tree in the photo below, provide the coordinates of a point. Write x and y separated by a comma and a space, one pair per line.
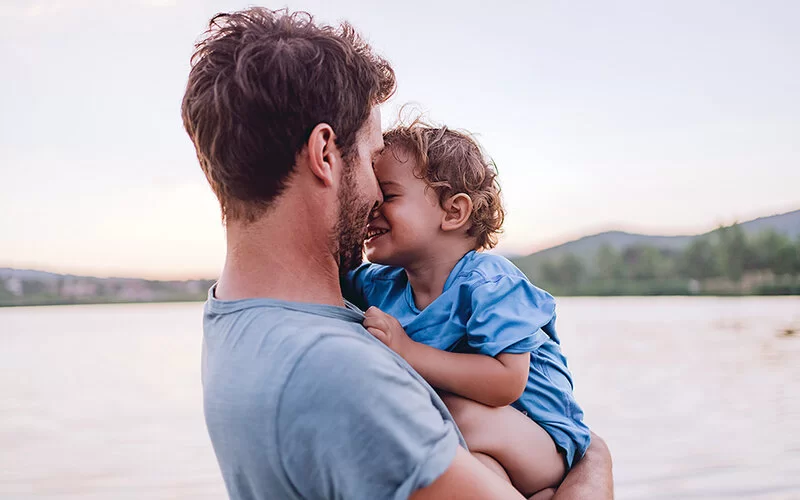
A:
787, 260
644, 262
699, 260
609, 264
766, 250
550, 273
571, 269
568, 271
733, 251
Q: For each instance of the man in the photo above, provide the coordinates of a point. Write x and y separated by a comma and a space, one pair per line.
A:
300, 401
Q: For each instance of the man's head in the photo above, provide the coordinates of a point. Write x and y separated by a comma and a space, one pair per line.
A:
261, 84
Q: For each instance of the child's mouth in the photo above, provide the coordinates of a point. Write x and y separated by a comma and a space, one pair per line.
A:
375, 233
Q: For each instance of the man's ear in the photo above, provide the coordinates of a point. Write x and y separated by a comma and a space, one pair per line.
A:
457, 211
323, 155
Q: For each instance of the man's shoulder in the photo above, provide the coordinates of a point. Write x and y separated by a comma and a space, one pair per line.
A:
331, 350
274, 317
320, 338
364, 419
268, 342
278, 350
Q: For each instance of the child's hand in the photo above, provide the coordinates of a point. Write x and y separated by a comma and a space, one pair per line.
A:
388, 330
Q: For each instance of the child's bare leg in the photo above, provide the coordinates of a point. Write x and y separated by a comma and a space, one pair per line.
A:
492, 465
544, 494
520, 445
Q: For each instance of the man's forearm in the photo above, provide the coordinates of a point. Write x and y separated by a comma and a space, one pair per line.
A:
467, 479
591, 478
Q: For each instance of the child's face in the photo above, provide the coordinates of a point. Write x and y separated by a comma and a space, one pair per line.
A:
404, 228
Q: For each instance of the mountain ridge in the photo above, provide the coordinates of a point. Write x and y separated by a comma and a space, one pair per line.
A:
787, 224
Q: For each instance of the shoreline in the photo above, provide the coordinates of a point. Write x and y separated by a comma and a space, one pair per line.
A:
185, 300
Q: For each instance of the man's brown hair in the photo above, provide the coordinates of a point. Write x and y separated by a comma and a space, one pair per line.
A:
452, 162
261, 80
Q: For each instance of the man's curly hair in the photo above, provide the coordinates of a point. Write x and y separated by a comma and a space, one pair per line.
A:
452, 162
261, 80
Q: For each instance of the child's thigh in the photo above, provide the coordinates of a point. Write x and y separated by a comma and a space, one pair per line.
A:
520, 445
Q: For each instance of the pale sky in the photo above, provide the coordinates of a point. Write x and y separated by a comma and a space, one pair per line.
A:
663, 117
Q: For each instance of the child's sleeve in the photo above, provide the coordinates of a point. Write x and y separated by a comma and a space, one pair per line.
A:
354, 285
508, 313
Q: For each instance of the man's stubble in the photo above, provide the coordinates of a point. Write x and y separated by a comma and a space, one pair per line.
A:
351, 226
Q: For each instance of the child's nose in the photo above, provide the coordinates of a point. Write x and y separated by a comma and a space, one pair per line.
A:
379, 193
376, 210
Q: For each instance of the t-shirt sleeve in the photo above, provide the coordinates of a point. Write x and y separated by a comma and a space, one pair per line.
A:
353, 285
508, 313
353, 423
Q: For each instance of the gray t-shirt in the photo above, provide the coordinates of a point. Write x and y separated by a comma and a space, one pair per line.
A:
301, 402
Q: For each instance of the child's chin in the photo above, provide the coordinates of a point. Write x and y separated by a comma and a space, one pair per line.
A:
377, 257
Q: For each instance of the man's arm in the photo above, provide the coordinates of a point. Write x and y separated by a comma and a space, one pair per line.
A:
467, 479
591, 478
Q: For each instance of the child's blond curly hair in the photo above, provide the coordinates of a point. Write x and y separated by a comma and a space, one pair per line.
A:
453, 162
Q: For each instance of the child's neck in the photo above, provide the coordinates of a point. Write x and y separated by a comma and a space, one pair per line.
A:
428, 275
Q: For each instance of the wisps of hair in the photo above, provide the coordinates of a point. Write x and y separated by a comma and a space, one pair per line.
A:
451, 162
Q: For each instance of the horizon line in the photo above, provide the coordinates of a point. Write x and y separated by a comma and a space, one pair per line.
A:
32, 267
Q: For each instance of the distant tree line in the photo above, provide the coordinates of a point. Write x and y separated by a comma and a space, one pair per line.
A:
717, 262
87, 290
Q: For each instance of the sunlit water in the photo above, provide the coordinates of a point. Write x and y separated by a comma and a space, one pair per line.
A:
697, 398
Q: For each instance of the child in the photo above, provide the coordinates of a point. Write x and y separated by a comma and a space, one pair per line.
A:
469, 322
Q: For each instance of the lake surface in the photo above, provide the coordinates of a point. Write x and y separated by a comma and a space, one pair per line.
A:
697, 398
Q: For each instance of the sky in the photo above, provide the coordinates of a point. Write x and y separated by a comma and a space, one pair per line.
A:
661, 117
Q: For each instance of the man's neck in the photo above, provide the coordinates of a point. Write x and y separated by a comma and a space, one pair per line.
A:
428, 275
277, 258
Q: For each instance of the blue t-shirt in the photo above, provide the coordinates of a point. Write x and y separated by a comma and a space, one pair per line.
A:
487, 306
302, 403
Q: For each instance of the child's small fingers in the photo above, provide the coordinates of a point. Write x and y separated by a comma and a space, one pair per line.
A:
374, 312
378, 334
376, 322
371, 321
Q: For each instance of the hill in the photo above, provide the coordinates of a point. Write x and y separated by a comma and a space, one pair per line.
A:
585, 248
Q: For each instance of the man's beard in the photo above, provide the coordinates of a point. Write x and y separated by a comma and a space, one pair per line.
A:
351, 227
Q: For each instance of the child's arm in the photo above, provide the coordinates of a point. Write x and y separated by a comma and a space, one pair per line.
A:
497, 381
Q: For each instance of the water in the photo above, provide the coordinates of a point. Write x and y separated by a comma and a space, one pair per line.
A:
697, 398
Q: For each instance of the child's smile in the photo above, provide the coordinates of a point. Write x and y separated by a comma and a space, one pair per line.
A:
408, 221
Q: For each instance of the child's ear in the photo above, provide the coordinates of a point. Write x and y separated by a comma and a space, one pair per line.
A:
457, 211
